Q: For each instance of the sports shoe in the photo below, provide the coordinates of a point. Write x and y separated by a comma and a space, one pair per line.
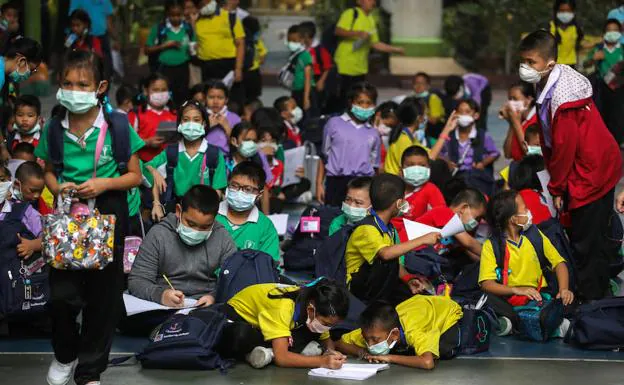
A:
563, 328
312, 349
504, 327
260, 357
305, 198
60, 374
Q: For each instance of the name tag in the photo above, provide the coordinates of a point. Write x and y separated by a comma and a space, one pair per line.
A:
310, 225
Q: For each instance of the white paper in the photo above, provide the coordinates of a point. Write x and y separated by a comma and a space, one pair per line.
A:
293, 159
358, 372
544, 178
280, 221
416, 230
453, 227
136, 305
228, 80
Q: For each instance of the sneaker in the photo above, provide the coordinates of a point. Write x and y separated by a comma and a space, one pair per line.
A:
60, 374
504, 327
312, 349
305, 198
260, 357
563, 328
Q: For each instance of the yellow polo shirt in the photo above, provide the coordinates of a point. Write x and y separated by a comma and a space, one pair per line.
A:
214, 36
566, 50
348, 61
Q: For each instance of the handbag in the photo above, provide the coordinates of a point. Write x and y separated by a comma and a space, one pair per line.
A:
83, 240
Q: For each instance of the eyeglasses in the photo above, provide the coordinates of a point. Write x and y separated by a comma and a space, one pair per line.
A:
246, 189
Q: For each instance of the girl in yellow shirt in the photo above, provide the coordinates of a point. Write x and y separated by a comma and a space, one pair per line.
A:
567, 32
410, 132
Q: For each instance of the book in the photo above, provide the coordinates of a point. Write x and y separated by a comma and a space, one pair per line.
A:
357, 372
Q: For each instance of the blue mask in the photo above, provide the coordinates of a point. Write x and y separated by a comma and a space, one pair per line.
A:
248, 148
190, 236
362, 114
471, 225
239, 201
18, 77
416, 175
383, 348
423, 94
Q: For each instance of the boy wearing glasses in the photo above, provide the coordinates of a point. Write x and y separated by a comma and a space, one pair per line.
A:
238, 213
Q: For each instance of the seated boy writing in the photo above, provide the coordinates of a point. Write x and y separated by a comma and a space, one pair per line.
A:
356, 204
415, 333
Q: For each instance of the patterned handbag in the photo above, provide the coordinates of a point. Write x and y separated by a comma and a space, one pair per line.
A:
77, 238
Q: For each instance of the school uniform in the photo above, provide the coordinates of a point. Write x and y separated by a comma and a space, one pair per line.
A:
216, 135
97, 293
293, 134
257, 233
428, 324
259, 158
216, 48
392, 163
31, 219
145, 121
304, 60
89, 44
188, 170
17, 139
421, 200
466, 150
517, 153
567, 46
350, 150
537, 204
337, 224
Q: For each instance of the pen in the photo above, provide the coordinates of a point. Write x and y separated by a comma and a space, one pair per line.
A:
168, 282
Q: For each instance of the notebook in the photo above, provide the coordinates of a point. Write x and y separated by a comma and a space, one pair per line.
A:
357, 372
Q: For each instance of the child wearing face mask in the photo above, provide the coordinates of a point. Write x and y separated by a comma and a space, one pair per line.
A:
249, 227
410, 132
221, 120
523, 179
567, 31
356, 205
583, 159
524, 280
21, 58
351, 146
80, 38
285, 324
416, 333
27, 118
520, 113
373, 249
303, 85
532, 146
292, 115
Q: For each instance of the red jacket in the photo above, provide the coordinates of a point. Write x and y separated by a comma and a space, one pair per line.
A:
584, 162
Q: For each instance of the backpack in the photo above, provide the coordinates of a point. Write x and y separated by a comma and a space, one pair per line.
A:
161, 36
476, 326
186, 342
426, 262
314, 128
286, 75
301, 256
329, 38
598, 325
482, 180
210, 162
24, 288
242, 269
118, 128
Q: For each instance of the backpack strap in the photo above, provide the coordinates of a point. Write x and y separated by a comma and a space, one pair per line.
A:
161, 33
119, 129
356, 14
18, 210
478, 146
454, 149
232, 19
99, 145
189, 30
211, 161
55, 145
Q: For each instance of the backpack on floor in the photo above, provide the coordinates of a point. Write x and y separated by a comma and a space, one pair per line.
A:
539, 320
598, 325
476, 327
242, 269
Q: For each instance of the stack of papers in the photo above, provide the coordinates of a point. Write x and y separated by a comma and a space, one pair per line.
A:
415, 230
136, 305
358, 372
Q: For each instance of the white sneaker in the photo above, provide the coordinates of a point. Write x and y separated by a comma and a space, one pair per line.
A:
563, 328
305, 198
504, 327
312, 349
60, 374
260, 357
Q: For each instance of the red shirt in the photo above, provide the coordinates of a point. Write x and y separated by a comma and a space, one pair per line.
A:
18, 140
322, 64
428, 196
148, 121
537, 205
277, 170
516, 148
95, 47
293, 133
436, 217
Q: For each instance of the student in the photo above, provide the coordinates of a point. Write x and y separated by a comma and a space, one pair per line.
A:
198, 93
524, 180
187, 247
42, 201
171, 41
583, 160
509, 218
519, 112
609, 52
20, 60
416, 333
26, 126
454, 91
533, 147
22, 152
253, 79
233, 7
567, 31
351, 146
372, 253
220, 118
303, 86
321, 58
28, 184
244, 144
292, 114
125, 97
432, 102
250, 108
97, 293
282, 324
249, 228
156, 109
411, 131
80, 37
9, 22
356, 205
617, 14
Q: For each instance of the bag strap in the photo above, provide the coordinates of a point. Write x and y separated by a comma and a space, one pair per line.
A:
55, 145
99, 146
479, 146
203, 167
120, 137
356, 14
18, 210
232, 19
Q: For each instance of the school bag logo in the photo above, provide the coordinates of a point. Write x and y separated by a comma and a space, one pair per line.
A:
482, 334
249, 244
174, 328
106, 156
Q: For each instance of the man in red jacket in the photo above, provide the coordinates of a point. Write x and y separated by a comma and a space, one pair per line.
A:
581, 155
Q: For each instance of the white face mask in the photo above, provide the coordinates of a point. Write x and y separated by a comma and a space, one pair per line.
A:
384, 130
4, 189
315, 326
565, 17
294, 46
209, 9
297, 115
159, 99
529, 222
530, 74
465, 120
517, 105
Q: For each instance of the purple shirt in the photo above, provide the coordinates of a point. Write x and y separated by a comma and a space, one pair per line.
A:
217, 136
350, 149
544, 99
489, 150
32, 218
476, 84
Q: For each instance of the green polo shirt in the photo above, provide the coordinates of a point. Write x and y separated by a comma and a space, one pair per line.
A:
159, 162
303, 60
348, 61
612, 57
338, 223
188, 171
258, 233
172, 56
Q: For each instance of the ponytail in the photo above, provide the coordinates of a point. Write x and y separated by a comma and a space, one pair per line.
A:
500, 210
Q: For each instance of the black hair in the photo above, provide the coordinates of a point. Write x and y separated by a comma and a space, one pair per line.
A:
27, 47
192, 104
9, 5
385, 190
414, 151
541, 41
251, 25
196, 89
471, 103
474, 198
362, 88
216, 84
83, 60
531, 130
268, 119
387, 109
612, 21
280, 103
82, 16
27, 170
251, 170
256, 104
452, 85
23, 148
125, 92
500, 210
574, 22
360, 183
424, 75
379, 313
5, 171
154, 77
330, 299
524, 174
293, 29
527, 89
241, 128
173, 3
202, 198
274, 134
307, 29
408, 112
28, 101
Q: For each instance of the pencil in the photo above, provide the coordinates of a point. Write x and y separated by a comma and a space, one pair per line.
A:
168, 282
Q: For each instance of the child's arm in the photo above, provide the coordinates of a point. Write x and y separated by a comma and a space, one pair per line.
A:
563, 279
425, 361
307, 88
27, 247
320, 177
350, 349
287, 359
395, 251
96, 186
450, 126
493, 287
149, 50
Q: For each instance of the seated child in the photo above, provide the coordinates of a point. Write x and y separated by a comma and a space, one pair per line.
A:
80, 39
292, 115
510, 219
372, 253
410, 132
356, 205
284, 324
249, 228
523, 178
221, 120
27, 117
125, 97
416, 333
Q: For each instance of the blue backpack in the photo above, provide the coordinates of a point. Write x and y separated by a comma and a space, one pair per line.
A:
598, 325
242, 269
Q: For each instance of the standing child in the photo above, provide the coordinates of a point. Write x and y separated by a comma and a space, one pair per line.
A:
520, 112
254, 45
95, 293
125, 97
409, 132
27, 117
351, 146
567, 31
80, 38
321, 59
303, 82
583, 159
221, 121
356, 205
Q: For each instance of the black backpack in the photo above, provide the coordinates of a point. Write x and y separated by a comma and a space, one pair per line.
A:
242, 269
24, 288
598, 325
118, 128
482, 180
161, 36
212, 161
329, 38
